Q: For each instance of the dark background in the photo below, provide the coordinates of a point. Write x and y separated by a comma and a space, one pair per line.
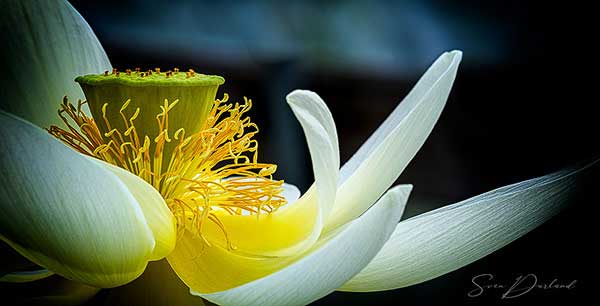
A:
523, 104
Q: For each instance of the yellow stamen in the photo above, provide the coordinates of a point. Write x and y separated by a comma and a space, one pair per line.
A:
213, 170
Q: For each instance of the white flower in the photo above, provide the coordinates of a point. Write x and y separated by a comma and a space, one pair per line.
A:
99, 224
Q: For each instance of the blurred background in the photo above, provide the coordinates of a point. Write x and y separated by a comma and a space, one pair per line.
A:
522, 106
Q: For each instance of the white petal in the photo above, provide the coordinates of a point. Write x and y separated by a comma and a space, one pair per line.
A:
383, 157
445, 239
157, 214
25, 276
335, 259
290, 192
65, 213
45, 45
321, 136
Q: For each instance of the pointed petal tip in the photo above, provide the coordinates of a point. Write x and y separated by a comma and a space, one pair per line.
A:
458, 54
455, 52
402, 188
452, 58
400, 191
299, 92
298, 95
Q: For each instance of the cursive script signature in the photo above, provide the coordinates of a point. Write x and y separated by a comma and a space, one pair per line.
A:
522, 285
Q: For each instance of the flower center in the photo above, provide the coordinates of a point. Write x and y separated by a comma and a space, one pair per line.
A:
198, 152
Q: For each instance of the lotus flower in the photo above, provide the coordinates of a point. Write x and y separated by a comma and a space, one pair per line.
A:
234, 235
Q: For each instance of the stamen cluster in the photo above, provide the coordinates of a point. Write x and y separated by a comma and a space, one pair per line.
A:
210, 172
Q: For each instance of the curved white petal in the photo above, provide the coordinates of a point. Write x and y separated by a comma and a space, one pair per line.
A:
25, 276
157, 214
445, 239
321, 136
332, 261
66, 213
45, 45
383, 157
